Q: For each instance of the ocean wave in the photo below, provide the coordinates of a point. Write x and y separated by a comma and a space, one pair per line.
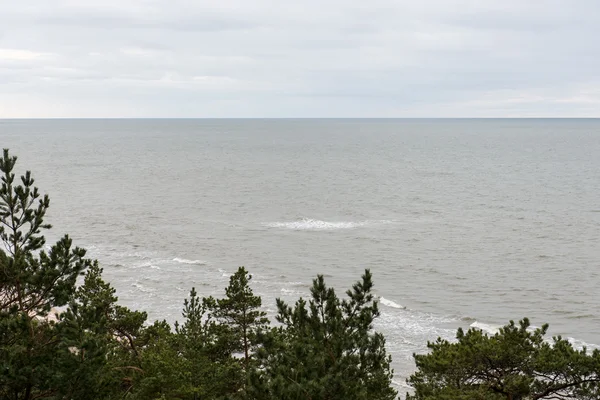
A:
147, 264
401, 384
580, 344
137, 254
224, 273
152, 278
309, 224
493, 329
299, 284
186, 261
407, 332
141, 287
390, 303
487, 328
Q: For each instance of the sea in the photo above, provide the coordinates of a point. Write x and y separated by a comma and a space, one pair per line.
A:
463, 222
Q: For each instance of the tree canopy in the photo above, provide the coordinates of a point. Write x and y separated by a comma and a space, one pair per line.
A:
515, 363
326, 349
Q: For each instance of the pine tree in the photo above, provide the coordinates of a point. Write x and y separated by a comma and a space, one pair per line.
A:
86, 351
325, 349
32, 283
213, 373
516, 363
99, 340
165, 372
240, 312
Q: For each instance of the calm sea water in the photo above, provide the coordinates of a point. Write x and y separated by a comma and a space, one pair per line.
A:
463, 222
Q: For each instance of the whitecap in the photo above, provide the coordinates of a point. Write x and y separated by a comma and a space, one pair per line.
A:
186, 261
487, 328
580, 344
153, 264
137, 255
152, 278
147, 264
141, 287
390, 303
408, 331
401, 384
223, 273
576, 343
309, 224
298, 284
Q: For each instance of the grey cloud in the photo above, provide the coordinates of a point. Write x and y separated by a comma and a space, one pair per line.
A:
311, 58
201, 22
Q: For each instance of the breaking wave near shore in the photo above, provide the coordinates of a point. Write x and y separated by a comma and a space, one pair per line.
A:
492, 329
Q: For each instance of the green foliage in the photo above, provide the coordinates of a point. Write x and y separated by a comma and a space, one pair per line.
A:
193, 362
83, 367
99, 341
32, 283
213, 373
240, 312
515, 363
325, 349
163, 371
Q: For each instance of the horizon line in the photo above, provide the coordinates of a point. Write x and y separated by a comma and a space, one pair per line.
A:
283, 118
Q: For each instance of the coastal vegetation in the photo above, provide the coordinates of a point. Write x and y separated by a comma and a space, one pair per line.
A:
516, 363
63, 335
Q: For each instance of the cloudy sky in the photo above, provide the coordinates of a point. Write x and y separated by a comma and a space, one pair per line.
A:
309, 58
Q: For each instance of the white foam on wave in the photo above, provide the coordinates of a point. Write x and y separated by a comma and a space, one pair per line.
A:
407, 332
487, 328
151, 278
580, 344
493, 329
298, 283
292, 291
186, 261
137, 254
147, 264
390, 303
306, 224
224, 274
141, 287
401, 384
309, 224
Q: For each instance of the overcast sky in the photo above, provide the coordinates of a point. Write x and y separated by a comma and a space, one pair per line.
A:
307, 58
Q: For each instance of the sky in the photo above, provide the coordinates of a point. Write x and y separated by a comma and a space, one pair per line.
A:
308, 58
